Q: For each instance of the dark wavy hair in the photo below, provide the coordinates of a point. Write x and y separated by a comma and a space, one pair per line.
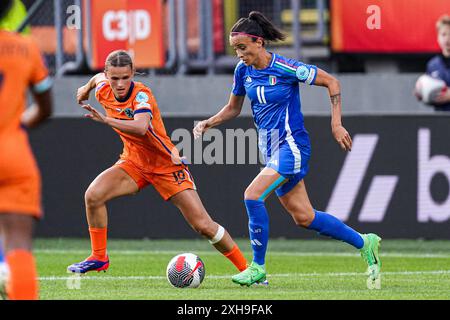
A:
258, 25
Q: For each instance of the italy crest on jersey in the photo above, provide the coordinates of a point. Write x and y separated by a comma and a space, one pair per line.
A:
272, 80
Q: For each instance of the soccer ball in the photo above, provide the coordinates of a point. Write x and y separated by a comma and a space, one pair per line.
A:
185, 270
428, 88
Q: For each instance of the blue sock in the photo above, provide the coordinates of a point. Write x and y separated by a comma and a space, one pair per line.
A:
328, 225
258, 226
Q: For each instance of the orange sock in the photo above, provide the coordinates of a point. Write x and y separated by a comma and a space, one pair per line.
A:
98, 243
22, 284
237, 258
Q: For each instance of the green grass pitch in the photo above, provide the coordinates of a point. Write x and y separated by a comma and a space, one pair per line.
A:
297, 270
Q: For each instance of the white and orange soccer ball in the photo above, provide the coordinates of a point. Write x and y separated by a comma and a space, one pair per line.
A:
185, 270
429, 88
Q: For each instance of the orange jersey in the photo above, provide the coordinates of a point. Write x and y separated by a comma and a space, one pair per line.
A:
21, 67
151, 152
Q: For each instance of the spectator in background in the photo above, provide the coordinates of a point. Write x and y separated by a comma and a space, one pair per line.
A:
439, 66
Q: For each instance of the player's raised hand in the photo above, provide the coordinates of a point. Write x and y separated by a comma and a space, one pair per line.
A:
83, 94
94, 114
343, 138
200, 128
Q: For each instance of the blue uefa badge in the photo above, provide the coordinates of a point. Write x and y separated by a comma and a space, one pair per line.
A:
302, 73
141, 97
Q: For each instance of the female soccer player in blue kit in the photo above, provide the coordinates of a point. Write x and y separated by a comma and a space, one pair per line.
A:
271, 83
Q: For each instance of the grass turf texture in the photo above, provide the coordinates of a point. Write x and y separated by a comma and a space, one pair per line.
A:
297, 270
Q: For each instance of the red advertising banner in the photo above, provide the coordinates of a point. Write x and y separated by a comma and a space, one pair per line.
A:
386, 26
132, 25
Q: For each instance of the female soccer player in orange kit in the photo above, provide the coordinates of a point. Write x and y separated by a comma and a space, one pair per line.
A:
148, 157
21, 67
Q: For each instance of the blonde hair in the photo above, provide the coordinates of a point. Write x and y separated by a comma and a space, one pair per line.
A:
443, 21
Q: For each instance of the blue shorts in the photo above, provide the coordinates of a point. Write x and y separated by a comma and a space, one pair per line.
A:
290, 161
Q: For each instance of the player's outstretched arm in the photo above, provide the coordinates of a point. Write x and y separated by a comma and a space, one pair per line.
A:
138, 126
341, 135
84, 91
230, 111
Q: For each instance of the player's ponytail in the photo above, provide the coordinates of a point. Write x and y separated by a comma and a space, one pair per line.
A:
257, 26
119, 58
270, 32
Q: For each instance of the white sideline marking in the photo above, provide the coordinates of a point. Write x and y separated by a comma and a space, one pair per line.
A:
275, 275
212, 252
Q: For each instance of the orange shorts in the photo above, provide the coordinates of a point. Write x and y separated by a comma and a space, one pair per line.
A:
167, 184
21, 195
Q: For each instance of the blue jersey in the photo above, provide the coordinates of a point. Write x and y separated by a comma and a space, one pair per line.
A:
439, 67
275, 100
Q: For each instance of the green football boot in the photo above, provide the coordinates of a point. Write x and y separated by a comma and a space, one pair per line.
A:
253, 274
369, 252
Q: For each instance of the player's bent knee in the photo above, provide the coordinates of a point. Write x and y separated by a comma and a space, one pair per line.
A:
93, 198
251, 194
302, 221
204, 228
303, 216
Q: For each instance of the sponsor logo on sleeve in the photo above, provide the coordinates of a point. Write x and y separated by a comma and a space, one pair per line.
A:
142, 105
312, 74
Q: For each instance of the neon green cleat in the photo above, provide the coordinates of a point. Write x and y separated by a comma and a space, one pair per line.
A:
370, 254
253, 274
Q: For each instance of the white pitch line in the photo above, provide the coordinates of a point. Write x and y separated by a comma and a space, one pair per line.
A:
274, 253
275, 275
